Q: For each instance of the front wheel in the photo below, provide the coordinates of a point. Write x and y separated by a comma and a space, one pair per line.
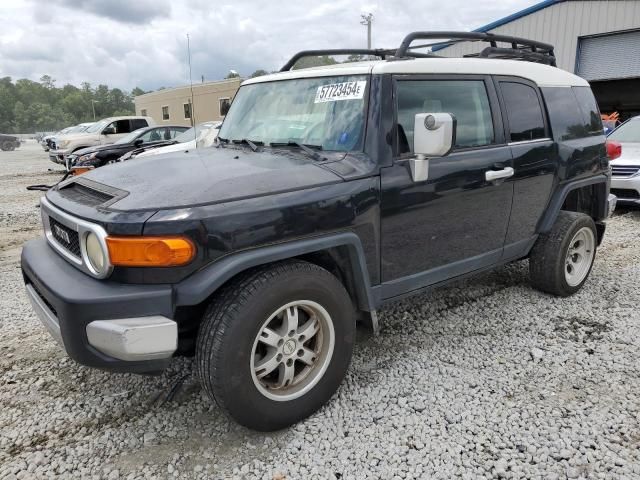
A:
276, 343
7, 146
561, 260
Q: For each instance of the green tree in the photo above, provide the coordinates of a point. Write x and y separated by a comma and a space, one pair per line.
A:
321, 60
259, 73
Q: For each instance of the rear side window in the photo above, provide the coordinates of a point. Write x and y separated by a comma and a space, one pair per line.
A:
467, 100
590, 110
524, 113
137, 123
567, 121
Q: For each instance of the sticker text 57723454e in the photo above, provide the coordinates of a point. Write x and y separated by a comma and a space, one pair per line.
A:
340, 91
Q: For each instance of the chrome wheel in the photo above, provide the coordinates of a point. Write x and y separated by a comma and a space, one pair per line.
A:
292, 350
579, 256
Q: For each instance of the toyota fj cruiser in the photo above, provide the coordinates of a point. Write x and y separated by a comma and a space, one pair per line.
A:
331, 191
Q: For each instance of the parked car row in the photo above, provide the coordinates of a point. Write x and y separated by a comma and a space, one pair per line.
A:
113, 139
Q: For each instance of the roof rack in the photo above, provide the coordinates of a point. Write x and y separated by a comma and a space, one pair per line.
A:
519, 49
382, 53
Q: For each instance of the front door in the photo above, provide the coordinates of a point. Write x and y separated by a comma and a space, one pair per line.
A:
455, 221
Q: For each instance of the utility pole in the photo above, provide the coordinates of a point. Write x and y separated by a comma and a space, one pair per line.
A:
93, 107
192, 106
367, 20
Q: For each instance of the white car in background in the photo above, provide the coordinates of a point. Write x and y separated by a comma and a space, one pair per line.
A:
201, 136
625, 180
49, 140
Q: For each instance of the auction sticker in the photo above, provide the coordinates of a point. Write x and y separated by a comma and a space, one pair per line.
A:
341, 91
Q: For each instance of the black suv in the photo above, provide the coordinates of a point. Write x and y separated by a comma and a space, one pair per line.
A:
331, 191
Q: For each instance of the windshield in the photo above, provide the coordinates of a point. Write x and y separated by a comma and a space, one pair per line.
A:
327, 112
627, 132
97, 127
132, 136
189, 135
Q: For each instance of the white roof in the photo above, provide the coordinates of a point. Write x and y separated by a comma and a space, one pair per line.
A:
542, 75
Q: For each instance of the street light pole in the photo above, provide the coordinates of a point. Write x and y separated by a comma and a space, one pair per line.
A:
367, 20
93, 108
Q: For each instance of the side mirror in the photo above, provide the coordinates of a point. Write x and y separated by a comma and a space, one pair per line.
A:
138, 142
109, 131
434, 135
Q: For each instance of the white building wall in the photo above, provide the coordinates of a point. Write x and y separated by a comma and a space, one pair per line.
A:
561, 25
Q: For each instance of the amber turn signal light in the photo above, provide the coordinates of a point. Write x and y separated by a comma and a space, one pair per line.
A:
80, 170
150, 251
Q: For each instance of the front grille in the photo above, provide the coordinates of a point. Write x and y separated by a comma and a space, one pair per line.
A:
79, 193
65, 236
626, 193
624, 170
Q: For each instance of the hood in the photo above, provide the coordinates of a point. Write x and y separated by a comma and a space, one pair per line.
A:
75, 136
207, 176
100, 148
630, 154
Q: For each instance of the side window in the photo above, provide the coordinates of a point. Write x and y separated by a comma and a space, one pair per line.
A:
123, 126
590, 110
165, 112
467, 100
153, 135
524, 112
120, 126
173, 132
137, 123
224, 104
566, 118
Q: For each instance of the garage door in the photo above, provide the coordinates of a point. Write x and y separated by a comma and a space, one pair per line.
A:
610, 56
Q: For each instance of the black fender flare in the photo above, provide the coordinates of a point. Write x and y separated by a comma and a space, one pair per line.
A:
199, 286
560, 195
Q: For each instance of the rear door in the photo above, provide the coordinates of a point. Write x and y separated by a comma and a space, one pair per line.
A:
455, 221
534, 160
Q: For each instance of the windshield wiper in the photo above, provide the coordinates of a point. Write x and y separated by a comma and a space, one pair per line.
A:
305, 147
252, 144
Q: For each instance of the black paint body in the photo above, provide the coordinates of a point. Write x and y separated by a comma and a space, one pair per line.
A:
389, 235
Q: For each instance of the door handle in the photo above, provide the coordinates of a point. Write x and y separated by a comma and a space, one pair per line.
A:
492, 175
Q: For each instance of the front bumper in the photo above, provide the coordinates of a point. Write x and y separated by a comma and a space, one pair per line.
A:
627, 189
58, 156
101, 324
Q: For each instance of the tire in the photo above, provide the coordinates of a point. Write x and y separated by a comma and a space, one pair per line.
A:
230, 346
561, 260
6, 146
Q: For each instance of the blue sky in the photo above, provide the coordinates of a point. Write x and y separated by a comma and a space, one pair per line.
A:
128, 43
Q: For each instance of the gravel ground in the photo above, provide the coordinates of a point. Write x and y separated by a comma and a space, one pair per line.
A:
485, 379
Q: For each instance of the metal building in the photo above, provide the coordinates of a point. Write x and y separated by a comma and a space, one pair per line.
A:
174, 105
596, 39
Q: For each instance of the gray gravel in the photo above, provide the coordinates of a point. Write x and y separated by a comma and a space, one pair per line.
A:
485, 379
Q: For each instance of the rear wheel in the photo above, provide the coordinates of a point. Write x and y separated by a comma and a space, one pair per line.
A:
561, 260
276, 343
7, 146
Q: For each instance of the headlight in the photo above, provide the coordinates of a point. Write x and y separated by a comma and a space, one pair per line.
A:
96, 255
63, 143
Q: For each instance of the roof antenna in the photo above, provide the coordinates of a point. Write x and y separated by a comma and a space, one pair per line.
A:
192, 112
